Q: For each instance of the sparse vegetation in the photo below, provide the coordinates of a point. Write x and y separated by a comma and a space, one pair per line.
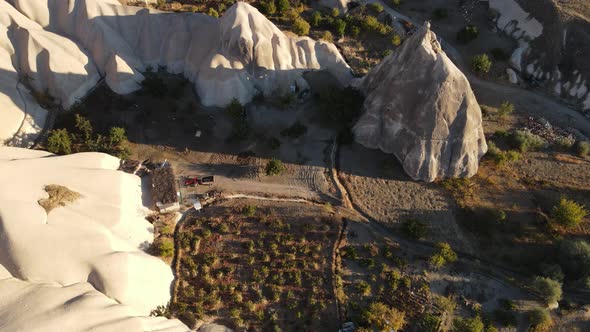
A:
481, 64
274, 167
467, 34
568, 213
58, 196
539, 320
526, 141
384, 318
506, 109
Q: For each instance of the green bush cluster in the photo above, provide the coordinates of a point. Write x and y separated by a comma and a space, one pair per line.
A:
526, 141
583, 148
415, 229
444, 255
481, 63
568, 213
502, 157
274, 167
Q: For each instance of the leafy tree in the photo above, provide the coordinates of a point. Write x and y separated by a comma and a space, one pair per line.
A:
583, 148
59, 142
300, 26
539, 320
549, 289
574, 257
568, 213
283, 6
505, 109
165, 248
274, 167
467, 34
335, 12
467, 325
269, 7
415, 229
384, 318
315, 18
327, 36
444, 255
481, 64
85, 128
396, 40
340, 27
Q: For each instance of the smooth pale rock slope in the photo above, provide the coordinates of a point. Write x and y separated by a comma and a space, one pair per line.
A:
67, 45
78, 267
420, 107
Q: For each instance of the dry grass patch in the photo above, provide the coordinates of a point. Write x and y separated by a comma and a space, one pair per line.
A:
58, 196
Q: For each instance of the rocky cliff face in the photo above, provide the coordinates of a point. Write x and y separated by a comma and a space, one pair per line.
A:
65, 47
420, 107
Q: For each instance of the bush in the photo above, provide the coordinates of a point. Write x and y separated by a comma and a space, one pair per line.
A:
384, 318
499, 54
370, 23
212, 12
363, 287
467, 325
583, 148
415, 229
283, 6
440, 13
376, 7
481, 64
539, 320
274, 167
505, 109
526, 141
300, 26
59, 142
355, 31
295, 131
568, 213
396, 40
315, 19
340, 27
467, 34
574, 257
249, 211
327, 36
501, 157
335, 12
549, 289
444, 255
164, 247
269, 7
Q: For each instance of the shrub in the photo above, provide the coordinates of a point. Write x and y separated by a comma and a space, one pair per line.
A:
283, 6
384, 318
295, 131
327, 36
376, 7
444, 255
274, 167
429, 323
396, 3
574, 257
370, 23
396, 40
212, 12
549, 289
440, 13
335, 12
315, 19
568, 213
499, 54
249, 211
269, 7
526, 141
481, 64
340, 27
415, 229
59, 142
355, 31
501, 157
164, 247
539, 320
363, 287
85, 129
505, 109
467, 325
467, 34
300, 26
583, 148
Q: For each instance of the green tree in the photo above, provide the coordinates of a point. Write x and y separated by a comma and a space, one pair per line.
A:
274, 167
84, 128
269, 7
467, 34
384, 318
340, 27
414, 228
283, 6
59, 142
213, 12
505, 109
549, 289
335, 12
444, 255
396, 40
467, 325
117, 135
574, 257
481, 64
164, 247
300, 26
315, 18
539, 320
568, 213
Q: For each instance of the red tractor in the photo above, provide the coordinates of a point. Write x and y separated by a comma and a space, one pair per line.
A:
191, 181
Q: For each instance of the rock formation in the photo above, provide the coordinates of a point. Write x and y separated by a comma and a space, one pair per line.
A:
65, 47
78, 267
420, 107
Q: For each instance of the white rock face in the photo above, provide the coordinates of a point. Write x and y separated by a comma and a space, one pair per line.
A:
512, 76
420, 107
512, 15
79, 260
67, 45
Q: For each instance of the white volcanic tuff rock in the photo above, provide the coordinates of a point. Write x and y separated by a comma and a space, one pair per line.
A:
95, 239
50, 307
240, 53
420, 107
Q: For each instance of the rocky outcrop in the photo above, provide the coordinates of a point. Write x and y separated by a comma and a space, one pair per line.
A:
66, 47
420, 107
